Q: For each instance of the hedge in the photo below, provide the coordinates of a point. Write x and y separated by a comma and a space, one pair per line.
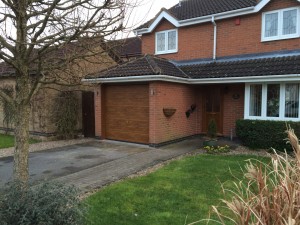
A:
265, 134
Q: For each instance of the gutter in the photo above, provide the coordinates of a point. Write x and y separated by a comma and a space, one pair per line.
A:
181, 80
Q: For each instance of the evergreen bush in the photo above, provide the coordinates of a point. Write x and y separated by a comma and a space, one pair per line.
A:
45, 204
265, 134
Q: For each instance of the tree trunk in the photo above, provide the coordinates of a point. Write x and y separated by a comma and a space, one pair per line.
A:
22, 114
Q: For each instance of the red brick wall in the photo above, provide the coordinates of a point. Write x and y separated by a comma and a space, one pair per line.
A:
180, 97
197, 41
171, 95
98, 111
233, 108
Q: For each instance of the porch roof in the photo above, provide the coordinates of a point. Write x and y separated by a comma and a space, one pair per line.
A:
149, 68
143, 66
244, 68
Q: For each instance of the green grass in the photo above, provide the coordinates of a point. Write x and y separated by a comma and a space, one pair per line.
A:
7, 141
183, 189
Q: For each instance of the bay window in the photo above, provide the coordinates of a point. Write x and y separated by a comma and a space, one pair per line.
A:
281, 24
274, 101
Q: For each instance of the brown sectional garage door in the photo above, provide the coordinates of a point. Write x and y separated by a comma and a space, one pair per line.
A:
126, 113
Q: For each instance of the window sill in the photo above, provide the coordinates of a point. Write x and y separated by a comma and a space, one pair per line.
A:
280, 38
271, 118
166, 52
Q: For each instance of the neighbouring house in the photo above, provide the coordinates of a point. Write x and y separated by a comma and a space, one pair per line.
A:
204, 60
128, 48
50, 97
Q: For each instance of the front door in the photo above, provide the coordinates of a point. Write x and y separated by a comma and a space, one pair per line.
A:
213, 108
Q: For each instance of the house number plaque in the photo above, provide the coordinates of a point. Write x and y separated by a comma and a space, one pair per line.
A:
236, 96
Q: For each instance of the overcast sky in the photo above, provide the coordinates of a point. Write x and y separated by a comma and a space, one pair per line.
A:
147, 10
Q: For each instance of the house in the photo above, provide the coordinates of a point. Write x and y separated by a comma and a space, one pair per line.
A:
50, 98
204, 60
128, 48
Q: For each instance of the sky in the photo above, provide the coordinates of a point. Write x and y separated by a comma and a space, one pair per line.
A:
147, 10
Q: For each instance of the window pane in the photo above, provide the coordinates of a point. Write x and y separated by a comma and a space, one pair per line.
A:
273, 100
172, 40
289, 21
292, 100
255, 100
271, 24
160, 45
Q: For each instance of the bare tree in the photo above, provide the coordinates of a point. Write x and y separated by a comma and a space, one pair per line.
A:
39, 39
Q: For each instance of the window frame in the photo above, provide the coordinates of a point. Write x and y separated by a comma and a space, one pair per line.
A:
264, 102
280, 35
166, 51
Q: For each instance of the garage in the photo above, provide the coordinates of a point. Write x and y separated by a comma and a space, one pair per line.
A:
126, 112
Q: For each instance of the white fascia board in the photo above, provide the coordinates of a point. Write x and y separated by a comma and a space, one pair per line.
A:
162, 15
260, 5
166, 78
147, 78
203, 19
253, 79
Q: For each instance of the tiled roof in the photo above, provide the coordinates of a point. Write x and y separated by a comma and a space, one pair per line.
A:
188, 9
129, 47
146, 65
225, 68
244, 68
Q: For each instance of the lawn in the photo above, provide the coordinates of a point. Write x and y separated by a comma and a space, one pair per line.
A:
180, 193
7, 141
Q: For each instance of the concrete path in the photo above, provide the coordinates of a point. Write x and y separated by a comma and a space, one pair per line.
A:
95, 164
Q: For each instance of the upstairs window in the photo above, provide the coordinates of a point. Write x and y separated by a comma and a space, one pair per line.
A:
280, 24
166, 42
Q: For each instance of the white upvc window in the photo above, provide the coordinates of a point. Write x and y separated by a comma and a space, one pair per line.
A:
281, 24
166, 42
272, 101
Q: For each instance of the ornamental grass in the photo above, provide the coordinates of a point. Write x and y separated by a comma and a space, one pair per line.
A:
268, 194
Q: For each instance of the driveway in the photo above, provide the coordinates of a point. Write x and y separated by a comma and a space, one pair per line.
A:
94, 164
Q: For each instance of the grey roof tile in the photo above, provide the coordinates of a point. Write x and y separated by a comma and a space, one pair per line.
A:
146, 65
244, 68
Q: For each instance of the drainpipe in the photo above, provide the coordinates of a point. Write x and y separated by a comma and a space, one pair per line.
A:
215, 38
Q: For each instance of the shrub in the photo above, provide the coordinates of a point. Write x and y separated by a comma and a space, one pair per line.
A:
44, 204
212, 129
8, 109
65, 115
268, 193
264, 134
217, 149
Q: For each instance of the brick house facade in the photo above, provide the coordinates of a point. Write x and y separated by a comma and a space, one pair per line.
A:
226, 61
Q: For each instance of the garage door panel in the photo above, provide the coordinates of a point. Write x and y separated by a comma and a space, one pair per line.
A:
132, 137
130, 113
132, 126
127, 113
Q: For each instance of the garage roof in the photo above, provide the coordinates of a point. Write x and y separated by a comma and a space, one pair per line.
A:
241, 67
146, 65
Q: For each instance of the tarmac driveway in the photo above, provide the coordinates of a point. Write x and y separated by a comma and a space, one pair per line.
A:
62, 161
93, 164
